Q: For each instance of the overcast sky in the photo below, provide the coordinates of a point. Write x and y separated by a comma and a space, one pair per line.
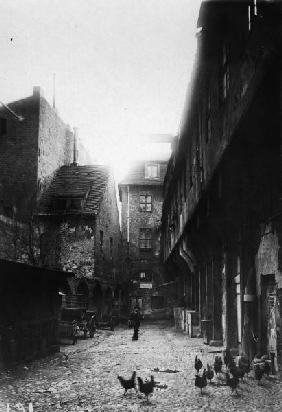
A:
122, 66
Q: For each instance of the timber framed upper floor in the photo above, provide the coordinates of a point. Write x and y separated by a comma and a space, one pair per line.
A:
239, 43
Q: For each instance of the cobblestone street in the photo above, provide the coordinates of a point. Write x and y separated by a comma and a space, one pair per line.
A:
84, 377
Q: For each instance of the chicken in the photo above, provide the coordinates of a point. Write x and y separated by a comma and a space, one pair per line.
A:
266, 368
217, 365
232, 382
258, 373
236, 371
146, 387
228, 358
198, 364
210, 373
128, 383
201, 381
244, 363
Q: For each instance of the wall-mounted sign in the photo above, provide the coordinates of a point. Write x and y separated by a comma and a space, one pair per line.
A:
147, 285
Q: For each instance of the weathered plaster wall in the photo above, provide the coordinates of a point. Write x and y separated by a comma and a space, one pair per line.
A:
69, 245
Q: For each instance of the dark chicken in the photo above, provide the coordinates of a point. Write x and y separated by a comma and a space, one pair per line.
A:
267, 368
146, 387
128, 383
201, 381
217, 365
232, 382
236, 371
244, 363
209, 373
258, 373
198, 364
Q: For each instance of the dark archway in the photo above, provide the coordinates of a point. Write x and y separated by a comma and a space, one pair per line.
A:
82, 292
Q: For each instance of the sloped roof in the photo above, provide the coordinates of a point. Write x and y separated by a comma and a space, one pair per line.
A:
87, 182
136, 174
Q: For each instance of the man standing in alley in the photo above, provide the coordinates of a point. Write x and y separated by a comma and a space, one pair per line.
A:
135, 319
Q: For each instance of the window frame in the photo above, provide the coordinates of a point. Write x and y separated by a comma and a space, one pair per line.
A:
150, 175
145, 238
145, 203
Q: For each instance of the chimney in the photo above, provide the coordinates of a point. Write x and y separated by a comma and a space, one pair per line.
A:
37, 91
75, 146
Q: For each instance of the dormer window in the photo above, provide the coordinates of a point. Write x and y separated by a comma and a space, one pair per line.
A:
152, 171
65, 204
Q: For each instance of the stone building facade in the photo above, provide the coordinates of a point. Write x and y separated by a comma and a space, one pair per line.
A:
141, 206
221, 223
80, 232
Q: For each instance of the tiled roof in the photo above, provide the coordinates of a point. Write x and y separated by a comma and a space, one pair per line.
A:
86, 182
136, 174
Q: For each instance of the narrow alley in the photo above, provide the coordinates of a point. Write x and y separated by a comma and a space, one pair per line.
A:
84, 377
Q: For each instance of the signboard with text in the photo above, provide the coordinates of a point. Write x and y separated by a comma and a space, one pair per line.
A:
147, 285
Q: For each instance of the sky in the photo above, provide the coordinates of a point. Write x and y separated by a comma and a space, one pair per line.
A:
122, 67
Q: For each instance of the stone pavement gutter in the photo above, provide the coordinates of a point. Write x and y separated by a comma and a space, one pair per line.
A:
84, 377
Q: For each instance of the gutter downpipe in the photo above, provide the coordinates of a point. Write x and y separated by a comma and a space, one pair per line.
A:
128, 214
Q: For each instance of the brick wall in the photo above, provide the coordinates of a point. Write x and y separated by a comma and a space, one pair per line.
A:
55, 144
18, 157
30, 152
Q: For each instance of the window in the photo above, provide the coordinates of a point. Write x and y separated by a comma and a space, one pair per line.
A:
152, 171
60, 204
145, 276
145, 238
225, 70
3, 126
252, 12
145, 203
142, 275
67, 204
8, 211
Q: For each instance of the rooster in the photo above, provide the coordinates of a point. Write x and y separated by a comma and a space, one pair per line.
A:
217, 365
210, 373
128, 383
201, 381
198, 364
146, 387
232, 382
